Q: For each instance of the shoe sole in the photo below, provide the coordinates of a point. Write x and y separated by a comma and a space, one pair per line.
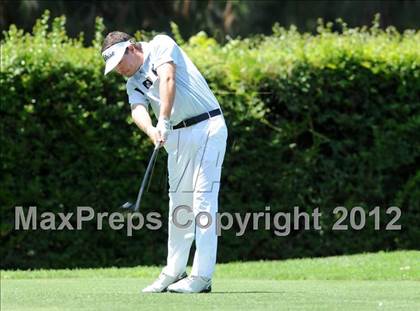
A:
204, 291
207, 290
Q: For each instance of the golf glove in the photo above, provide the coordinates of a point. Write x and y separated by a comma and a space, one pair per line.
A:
164, 127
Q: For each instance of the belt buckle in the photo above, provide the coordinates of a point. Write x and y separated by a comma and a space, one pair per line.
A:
208, 113
185, 124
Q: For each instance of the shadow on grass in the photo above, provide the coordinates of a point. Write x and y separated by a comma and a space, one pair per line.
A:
248, 292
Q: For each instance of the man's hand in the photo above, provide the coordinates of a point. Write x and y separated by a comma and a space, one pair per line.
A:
164, 127
154, 135
142, 119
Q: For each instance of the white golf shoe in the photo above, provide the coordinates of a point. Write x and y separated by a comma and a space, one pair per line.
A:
191, 284
162, 283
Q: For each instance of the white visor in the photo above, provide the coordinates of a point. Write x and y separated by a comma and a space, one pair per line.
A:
114, 54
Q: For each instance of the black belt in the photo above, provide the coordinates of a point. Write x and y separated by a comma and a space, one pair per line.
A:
197, 119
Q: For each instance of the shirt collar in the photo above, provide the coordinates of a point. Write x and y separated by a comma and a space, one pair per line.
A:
145, 46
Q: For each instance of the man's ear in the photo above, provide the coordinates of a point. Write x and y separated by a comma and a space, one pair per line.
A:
131, 48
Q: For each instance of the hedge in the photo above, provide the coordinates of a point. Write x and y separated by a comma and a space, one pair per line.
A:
316, 120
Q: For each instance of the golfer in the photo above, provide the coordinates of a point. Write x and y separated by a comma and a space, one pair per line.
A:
192, 129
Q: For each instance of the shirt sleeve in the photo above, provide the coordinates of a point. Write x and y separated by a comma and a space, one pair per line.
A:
135, 96
165, 50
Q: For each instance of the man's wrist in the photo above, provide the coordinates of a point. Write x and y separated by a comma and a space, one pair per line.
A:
165, 118
148, 130
164, 122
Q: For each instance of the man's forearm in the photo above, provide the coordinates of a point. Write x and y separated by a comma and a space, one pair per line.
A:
167, 88
167, 94
142, 118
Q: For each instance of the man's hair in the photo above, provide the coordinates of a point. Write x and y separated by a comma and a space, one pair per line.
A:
116, 37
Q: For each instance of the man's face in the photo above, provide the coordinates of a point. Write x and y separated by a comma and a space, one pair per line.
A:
130, 63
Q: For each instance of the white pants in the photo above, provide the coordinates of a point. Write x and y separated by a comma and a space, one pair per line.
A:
195, 158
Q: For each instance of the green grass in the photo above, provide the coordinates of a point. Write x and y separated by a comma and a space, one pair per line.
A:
381, 281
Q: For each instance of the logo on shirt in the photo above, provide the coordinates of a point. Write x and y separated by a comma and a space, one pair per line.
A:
147, 83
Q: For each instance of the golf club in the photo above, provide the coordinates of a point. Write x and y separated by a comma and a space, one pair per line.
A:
135, 207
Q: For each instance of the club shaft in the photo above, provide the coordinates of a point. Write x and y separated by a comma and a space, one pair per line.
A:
146, 177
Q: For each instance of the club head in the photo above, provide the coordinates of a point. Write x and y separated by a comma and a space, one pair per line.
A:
128, 205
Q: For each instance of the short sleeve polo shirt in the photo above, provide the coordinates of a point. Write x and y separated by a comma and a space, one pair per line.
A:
192, 95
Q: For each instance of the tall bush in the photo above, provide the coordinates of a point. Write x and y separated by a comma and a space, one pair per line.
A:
314, 121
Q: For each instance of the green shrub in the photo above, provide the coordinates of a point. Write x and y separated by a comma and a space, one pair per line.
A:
314, 120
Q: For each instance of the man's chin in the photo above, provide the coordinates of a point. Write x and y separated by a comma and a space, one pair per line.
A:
129, 75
